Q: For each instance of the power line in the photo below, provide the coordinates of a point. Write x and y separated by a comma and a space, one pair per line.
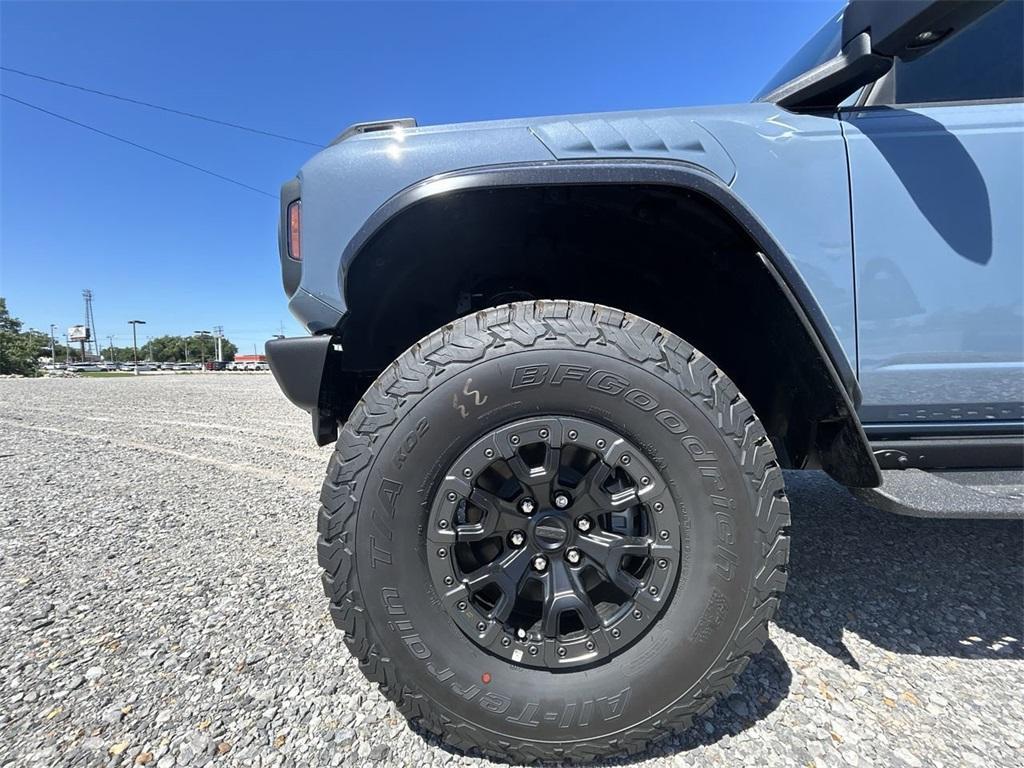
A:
130, 143
141, 103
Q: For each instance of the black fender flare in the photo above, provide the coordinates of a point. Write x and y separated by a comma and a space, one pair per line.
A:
852, 461
674, 174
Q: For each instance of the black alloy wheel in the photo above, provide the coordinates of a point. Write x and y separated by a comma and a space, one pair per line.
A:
550, 544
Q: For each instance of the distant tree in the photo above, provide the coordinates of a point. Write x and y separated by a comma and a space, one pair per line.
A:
173, 349
18, 350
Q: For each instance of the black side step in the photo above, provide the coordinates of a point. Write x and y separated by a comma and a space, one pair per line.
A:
997, 494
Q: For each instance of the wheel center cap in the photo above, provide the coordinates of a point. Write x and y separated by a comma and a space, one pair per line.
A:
550, 531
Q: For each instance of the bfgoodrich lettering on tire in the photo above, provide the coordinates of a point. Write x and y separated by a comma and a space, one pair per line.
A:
553, 530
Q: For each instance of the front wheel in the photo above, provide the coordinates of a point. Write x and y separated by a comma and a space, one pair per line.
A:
553, 530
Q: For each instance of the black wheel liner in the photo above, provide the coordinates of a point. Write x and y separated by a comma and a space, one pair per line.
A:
371, 543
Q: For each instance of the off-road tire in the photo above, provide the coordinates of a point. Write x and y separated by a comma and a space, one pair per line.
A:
421, 413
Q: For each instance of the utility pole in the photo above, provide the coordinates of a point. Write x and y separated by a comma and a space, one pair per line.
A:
202, 346
67, 351
113, 359
53, 346
135, 342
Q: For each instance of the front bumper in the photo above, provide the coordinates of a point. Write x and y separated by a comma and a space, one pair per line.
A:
298, 365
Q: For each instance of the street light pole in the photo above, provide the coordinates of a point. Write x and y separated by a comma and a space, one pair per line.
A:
135, 342
53, 347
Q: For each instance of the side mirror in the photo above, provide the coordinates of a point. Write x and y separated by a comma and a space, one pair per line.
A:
875, 33
907, 29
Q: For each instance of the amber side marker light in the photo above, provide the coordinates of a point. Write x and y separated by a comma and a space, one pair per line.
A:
294, 221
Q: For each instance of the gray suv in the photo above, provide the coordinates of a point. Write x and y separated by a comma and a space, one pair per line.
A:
565, 360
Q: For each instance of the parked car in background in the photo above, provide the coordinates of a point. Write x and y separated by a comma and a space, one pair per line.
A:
566, 359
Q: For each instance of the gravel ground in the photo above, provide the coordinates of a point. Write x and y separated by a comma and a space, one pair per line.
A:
160, 605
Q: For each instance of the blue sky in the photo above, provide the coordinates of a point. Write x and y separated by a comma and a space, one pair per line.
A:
184, 251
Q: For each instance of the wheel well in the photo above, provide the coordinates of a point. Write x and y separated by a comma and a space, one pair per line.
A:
668, 254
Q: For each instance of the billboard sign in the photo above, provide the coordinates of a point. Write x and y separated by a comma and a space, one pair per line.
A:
78, 333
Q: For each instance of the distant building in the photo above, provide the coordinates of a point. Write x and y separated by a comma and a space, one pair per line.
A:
250, 358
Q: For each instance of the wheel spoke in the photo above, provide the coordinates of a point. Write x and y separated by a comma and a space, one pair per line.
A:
563, 592
506, 573
591, 485
624, 498
606, 550
498, 517
585, 606
537, 480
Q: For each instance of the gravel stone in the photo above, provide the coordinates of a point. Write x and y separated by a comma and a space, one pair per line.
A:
92, 674
160, 605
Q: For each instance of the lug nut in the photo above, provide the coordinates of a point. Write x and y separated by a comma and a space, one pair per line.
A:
562, 499
645, 480
481, 626
467, 472
573, 434
658, 506
517, 538
626, 458
573, 556
514, 439
663, 535
637, 615
590, 645
442, 553
561, 651
448, 581
663, 563
489, 453
616, 633
461, 605
442, 524
653, 590
527, 506
540, 563
533, 650
452, 496
600, 443
543, 434
506, 642
583, 524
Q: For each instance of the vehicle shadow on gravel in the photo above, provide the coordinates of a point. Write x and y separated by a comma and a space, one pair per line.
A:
904, 584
